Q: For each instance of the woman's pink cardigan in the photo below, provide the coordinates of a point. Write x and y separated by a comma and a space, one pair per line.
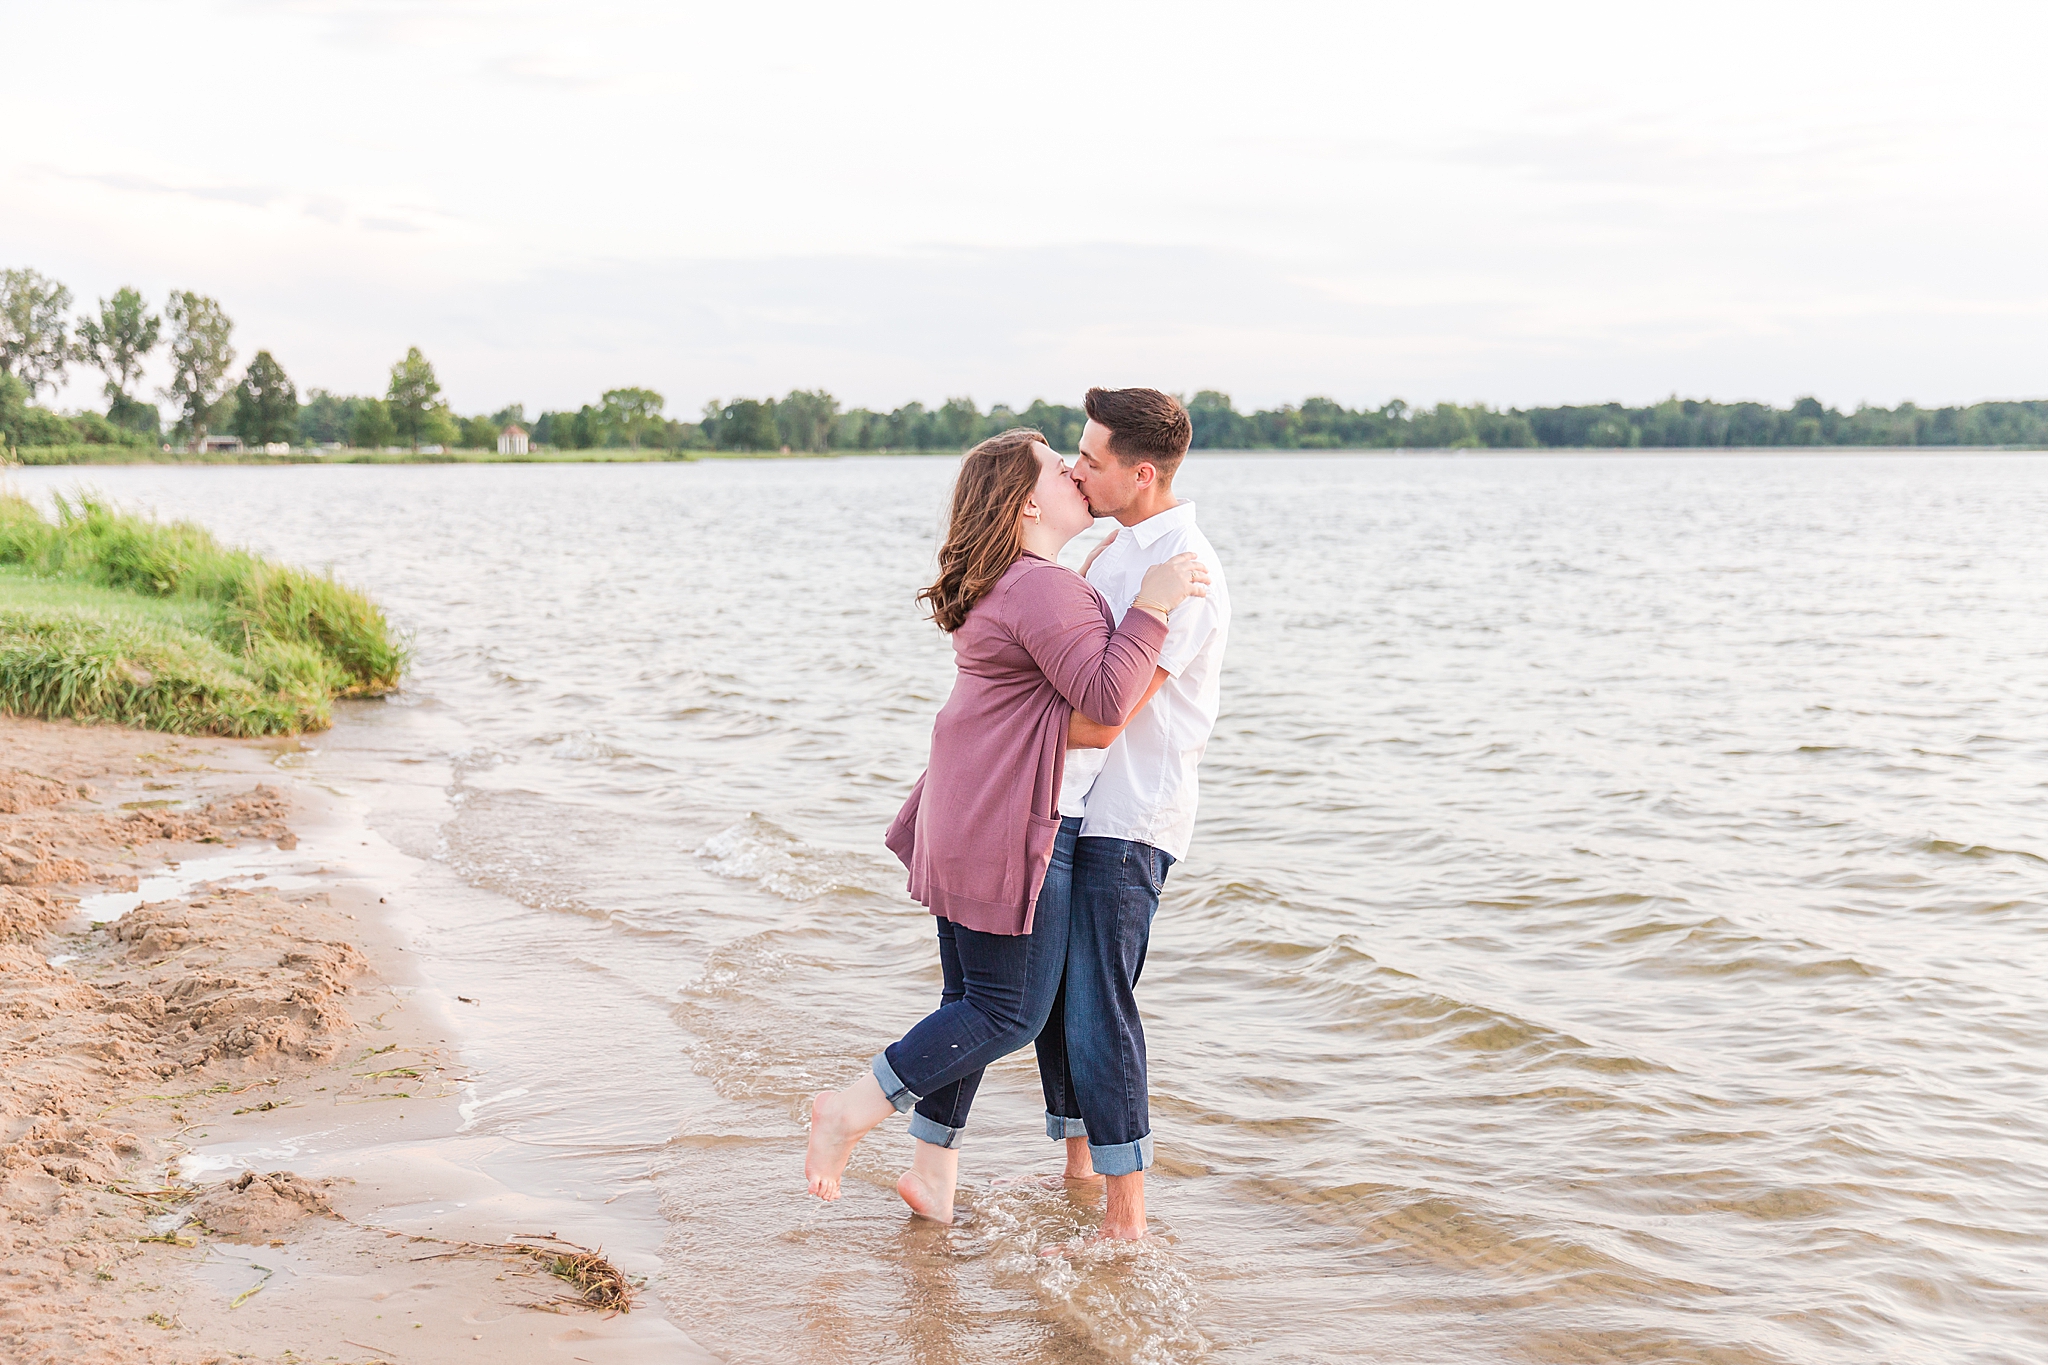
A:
978, 828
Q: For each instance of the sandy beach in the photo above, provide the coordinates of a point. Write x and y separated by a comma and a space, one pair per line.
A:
259, 990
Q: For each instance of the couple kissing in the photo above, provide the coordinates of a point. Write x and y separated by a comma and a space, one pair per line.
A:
1060, 790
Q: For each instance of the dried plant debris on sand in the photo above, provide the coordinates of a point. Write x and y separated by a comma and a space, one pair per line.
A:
599, 1284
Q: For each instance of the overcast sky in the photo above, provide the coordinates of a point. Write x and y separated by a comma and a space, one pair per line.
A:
1515, 203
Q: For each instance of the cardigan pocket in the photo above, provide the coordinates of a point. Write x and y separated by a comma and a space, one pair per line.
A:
999, 873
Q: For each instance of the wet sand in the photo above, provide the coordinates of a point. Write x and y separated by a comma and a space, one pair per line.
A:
249, 1000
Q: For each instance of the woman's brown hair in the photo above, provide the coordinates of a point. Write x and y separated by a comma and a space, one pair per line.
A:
985, 535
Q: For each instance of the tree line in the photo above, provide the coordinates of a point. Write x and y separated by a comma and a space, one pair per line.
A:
1319, 423
39, 340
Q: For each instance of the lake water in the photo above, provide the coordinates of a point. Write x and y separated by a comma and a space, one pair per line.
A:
1616, 929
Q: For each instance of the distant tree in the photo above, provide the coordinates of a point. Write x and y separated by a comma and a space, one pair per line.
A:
745, 424
805, 420
32, 344
266, 402
1062, 425
557, 429
907, 428
440, 427
135, 415
509, 415
370, 426
627, 413
578, 430
116, 343
411, 395
856, 429
324, 418
481, 433
13, 410
957, 424
1217, 422
200, 356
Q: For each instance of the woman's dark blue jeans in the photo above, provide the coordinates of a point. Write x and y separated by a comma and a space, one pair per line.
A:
998, 991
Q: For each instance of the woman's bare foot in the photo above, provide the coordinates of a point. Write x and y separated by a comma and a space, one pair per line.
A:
924, 1201
839, 1119
929, 1183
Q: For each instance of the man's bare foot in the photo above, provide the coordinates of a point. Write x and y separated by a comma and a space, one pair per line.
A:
1123, 1213
1123, 1218
1102, 1239
928, 1185
1062, 1181
839, 1119
1080, 1170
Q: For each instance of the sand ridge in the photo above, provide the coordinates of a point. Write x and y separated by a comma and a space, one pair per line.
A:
130, 1040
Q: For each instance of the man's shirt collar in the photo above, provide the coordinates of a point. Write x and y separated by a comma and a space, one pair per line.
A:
1159, 523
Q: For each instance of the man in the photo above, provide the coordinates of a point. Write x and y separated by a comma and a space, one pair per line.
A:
1135, 790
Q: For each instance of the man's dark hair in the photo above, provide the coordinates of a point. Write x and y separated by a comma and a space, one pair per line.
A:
1144, 424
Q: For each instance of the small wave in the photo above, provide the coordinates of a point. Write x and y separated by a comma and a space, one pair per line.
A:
581, 746
1126, 1302
758, 850
1948, 848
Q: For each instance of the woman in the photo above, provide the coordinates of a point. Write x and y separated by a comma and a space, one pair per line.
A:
981, 834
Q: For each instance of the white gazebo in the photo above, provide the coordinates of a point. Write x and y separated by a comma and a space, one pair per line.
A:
512, 440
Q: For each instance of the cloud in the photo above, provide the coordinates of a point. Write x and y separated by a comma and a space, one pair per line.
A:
252, 196
527, 70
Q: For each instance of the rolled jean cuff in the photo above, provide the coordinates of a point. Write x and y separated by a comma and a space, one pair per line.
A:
899, 1094
934, 1132
1126, 1158
1058, 1126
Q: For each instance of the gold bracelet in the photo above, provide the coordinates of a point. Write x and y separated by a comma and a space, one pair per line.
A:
1150, 605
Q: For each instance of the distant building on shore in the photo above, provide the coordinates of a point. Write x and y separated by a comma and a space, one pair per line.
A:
512, 440
219, 443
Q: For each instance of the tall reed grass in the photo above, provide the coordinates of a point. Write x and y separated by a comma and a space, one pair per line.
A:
109, 616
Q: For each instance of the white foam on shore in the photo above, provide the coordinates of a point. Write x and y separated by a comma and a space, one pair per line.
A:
759, 850
476, 1104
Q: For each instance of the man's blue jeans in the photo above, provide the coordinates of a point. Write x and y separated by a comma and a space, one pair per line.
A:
1091, 1053
999, 988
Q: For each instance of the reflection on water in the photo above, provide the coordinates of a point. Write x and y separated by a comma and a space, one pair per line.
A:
1614, 932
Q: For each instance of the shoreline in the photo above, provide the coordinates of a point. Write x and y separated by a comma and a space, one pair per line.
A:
151, 460
234, 1099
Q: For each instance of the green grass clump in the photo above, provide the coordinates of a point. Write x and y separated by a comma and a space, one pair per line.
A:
108, 616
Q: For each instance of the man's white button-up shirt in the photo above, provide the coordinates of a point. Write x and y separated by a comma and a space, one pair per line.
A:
1143, 787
